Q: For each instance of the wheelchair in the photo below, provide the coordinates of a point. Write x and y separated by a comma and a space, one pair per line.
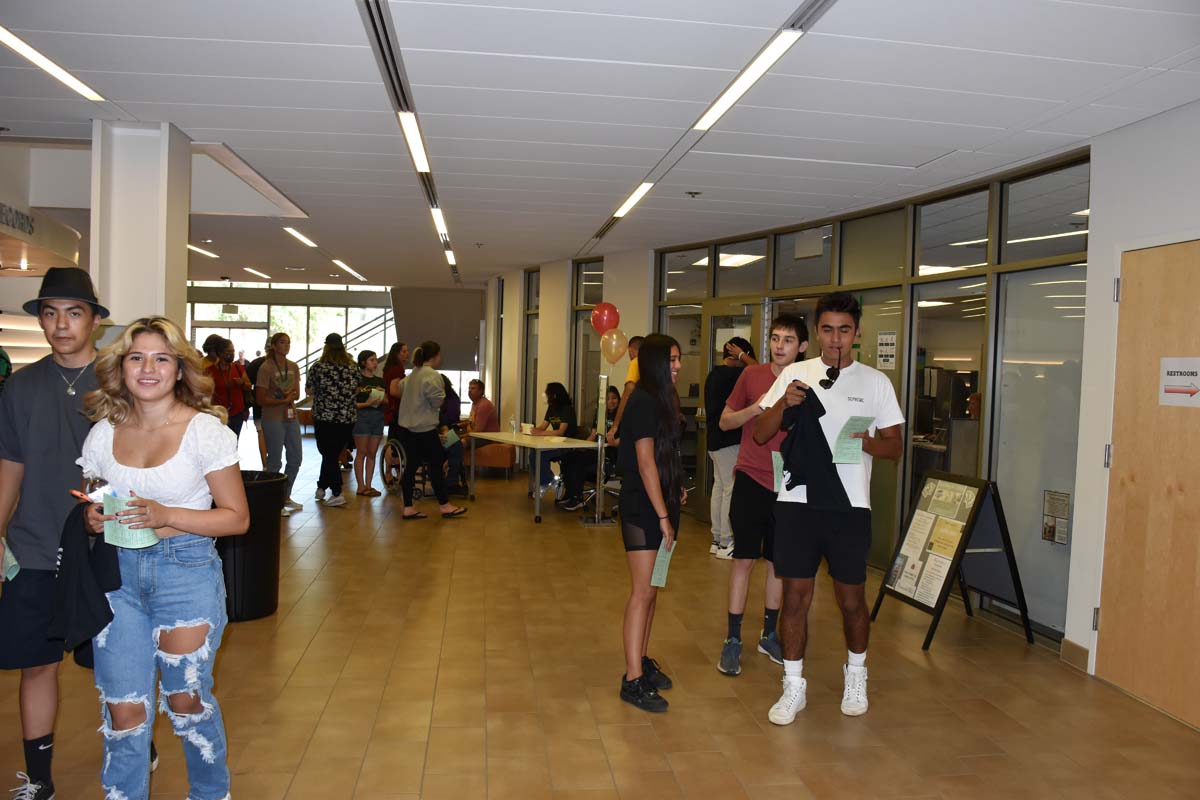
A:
392, 459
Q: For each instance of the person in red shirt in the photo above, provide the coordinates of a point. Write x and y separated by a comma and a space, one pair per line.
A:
751, 508
393, 372
483, 411
229, 385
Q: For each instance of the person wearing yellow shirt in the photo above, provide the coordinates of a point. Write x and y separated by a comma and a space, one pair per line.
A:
631, 378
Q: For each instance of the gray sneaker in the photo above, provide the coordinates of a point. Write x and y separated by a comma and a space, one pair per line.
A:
771, 647
731, 658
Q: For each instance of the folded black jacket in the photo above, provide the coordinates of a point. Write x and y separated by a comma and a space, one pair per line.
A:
87, 570
807, 458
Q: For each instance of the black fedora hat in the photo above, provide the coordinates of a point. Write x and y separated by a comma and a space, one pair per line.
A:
66, 283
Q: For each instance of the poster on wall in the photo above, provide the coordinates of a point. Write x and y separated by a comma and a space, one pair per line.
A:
1179, 382
885, 352
1056, 517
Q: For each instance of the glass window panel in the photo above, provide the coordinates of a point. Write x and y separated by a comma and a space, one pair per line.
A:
585, 386
684, 324
187, 322
203, 332
872, 248
685, 274
951, 348
589, 283
366, 330
533, 290
531, 400
952, 234
803, 258
1046, 215
246, 341
212, 312
461, 380
1037, 424
741, 268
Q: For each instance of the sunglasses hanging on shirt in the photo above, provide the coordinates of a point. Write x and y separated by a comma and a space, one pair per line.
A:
831, 374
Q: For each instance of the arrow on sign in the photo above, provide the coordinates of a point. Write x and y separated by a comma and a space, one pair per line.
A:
1191, 390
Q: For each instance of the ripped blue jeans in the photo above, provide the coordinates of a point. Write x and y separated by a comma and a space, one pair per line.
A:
177, 583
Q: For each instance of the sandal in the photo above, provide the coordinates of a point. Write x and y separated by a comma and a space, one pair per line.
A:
408, 517
373, 492
458, 512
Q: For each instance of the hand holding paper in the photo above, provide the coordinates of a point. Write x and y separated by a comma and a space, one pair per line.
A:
848, 448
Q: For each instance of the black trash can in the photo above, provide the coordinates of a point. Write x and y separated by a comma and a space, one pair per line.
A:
251, 561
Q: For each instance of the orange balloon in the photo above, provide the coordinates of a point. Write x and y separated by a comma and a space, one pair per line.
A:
613, 345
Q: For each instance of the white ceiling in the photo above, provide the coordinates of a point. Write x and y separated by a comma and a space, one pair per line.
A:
540, 119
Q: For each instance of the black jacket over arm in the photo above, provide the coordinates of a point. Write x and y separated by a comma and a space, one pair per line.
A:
87, 569
807, 458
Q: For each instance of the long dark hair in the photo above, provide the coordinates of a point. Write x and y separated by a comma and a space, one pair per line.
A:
654, 366
612, 390
557, 396
393, 357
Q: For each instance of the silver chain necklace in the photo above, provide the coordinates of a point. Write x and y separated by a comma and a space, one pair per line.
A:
71, 383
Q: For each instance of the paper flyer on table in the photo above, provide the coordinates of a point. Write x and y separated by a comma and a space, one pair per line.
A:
662, 562
847, 449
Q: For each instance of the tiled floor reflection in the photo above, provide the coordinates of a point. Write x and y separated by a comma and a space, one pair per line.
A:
480, 657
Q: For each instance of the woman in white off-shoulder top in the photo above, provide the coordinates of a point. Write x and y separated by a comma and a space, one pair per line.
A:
159, 440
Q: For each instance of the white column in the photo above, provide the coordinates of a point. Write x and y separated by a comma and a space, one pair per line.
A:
141, 198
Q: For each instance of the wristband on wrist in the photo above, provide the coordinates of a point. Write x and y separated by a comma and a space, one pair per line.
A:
664, 516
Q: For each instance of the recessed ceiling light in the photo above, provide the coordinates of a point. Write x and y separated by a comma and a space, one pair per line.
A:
303, 239
755, 70
253, 271
20, 46
412, 136
345, 267
633, 199
201, 251
206, 241
294, 269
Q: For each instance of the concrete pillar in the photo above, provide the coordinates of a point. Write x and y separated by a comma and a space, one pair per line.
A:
141, 198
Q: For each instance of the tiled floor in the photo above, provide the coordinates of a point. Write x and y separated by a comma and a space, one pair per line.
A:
480, 657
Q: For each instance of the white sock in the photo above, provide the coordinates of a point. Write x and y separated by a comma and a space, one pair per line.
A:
793, 669
856, 660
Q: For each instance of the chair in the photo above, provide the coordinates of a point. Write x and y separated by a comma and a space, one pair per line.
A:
391, 469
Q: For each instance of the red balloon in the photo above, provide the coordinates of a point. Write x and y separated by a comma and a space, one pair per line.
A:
605, 317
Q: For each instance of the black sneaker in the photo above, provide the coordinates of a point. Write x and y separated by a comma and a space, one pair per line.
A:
45, 791
641, 694
653, 675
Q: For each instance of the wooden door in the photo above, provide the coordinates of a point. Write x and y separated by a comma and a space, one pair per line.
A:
1149, 632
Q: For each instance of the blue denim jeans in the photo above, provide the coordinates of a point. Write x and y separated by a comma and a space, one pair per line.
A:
281, 436
177, 583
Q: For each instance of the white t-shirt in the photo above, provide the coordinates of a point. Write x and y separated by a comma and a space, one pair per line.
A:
180, 481
860, 391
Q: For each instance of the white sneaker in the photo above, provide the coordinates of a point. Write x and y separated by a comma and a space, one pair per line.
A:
712, 548
319, 494
854, 696
285, 512
335, 501
293, 505
725, 552
790, 703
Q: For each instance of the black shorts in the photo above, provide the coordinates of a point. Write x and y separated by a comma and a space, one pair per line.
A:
805, 535
639, 522
752, 518
26, 605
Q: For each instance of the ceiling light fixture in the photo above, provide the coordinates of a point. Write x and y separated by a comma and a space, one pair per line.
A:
1087, 212
633, 199
202, 251
412, 136
303, 239
974, 308
748, 77
1069, 308
342, 265
731, 260
253, 271
974, 285
1049, 236
1064, 296
21, 47
439, 222
955, 359
1056, 283
973, 316
968, 243
1033, 362
450, 258
932, 303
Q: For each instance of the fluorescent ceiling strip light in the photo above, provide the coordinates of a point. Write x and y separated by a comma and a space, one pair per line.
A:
932, 303
1069, 308
303, 239
439, 221
20, 46
637, 195
1056, 283
975, 308
974, 285
1064, 296
253, 271
926, 269
1073, 316
954, 359
971, 242
973, 316
749, 76
450, 258
1087, 212
1049, 236
1034, 362
412, 136
202, 251
342, 265
731, 260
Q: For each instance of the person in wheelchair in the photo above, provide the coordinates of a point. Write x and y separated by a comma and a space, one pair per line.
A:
580, 464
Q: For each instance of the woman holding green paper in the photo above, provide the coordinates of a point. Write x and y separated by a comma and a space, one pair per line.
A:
651, 494
369, 399
167, 454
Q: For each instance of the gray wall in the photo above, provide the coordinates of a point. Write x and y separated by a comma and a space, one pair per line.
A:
449, 317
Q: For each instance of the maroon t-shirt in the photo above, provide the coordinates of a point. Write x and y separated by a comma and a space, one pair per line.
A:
754, 459
389, 411
483, 415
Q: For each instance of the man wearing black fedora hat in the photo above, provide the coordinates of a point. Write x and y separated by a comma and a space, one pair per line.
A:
42, 428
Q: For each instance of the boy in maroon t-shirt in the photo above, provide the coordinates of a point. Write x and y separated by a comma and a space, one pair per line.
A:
751, 510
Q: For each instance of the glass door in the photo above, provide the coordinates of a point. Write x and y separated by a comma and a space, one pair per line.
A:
1036, 427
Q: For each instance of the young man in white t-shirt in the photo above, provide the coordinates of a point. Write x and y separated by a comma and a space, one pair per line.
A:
807, 532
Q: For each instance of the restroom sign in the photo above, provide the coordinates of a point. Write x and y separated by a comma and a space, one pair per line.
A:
1179, 382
